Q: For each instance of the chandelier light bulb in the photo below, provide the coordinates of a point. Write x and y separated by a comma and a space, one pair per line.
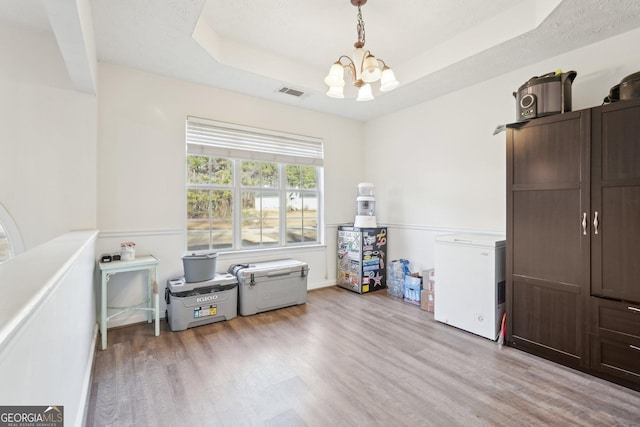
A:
388, 80
364, 93
364, 68
335, 76
370, 70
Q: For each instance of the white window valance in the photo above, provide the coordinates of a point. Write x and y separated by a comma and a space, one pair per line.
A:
227, 140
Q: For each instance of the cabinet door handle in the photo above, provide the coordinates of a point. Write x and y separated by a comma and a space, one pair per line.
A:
634, 347
634, 309
595, 223
584, 223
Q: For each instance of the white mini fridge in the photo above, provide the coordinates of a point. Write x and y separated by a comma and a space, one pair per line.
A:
470, 282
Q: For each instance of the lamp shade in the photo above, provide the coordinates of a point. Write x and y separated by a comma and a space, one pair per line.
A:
335, 76
370, 70
388, 80
364, 93
336, 92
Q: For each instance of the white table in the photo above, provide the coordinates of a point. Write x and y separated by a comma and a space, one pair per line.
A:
151, 304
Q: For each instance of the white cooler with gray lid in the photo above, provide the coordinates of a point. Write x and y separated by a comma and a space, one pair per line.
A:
269, 285
200, 303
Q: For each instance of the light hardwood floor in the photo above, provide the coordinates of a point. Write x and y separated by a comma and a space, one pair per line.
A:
342, 359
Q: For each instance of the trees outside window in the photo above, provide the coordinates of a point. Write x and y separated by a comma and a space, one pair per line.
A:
268, 204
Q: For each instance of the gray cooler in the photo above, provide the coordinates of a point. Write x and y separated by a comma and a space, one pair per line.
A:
200, 303
269, 285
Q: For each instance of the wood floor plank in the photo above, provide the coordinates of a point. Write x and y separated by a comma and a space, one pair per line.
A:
341, 359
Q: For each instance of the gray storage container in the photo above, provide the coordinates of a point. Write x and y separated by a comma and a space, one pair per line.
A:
268, 285
199, 267
201, 303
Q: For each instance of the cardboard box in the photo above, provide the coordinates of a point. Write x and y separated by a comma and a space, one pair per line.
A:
427, 300
429, 274
428, 297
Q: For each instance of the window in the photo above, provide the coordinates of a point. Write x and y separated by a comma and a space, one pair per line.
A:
251, 188
5, 246
10, 241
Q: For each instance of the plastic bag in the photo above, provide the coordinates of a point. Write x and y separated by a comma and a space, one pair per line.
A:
398, 268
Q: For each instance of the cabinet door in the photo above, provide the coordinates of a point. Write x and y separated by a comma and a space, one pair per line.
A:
547, 248
616, 342
615, 200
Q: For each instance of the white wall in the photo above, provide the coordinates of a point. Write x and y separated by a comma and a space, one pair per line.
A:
47, 139
458, 164
48, 325
141, 170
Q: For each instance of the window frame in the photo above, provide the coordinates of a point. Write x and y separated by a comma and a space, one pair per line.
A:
236, 155
12, 234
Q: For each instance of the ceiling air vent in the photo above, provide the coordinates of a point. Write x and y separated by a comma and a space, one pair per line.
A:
294, 92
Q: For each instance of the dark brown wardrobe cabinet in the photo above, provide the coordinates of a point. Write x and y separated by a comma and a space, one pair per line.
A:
573, 240
615, 241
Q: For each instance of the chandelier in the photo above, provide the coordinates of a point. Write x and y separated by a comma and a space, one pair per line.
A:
363, 67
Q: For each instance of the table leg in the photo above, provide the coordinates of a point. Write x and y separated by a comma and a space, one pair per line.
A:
103, 309
156, 302
156, 297
149, 297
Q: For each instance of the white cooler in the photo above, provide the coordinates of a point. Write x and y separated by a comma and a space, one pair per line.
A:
269, 285
200, 303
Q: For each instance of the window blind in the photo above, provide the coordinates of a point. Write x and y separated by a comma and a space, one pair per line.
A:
219, 139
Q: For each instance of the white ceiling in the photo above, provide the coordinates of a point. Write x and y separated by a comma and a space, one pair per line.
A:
256, 47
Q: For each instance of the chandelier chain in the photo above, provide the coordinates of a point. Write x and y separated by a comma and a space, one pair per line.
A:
360, 27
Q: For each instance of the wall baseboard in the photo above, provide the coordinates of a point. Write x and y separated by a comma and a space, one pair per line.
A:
85, 397
320, 285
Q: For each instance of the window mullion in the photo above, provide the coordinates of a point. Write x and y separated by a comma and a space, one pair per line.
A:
237, 205
283, 205
210, 205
